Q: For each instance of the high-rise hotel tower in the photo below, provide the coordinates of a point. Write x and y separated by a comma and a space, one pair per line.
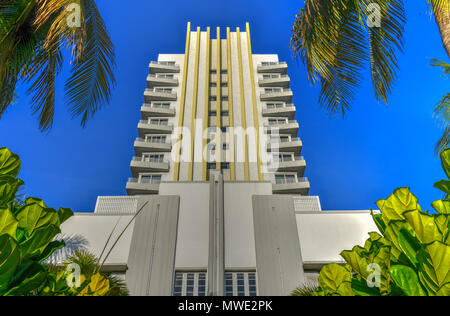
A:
218, 182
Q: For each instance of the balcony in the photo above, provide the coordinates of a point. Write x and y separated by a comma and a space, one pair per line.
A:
289, 127
294, 145
159, 94
146, 127
301, 186
297, 165
140, 165
142, 146
275, 81
273, 67
152, 110
164, 67
283, 95
161, 80
134, 187
286, 110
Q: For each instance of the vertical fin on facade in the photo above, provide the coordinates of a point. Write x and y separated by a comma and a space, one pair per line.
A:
243, 114
194, 105
219, 102
176, 171
206, 113
230, 108
255, 105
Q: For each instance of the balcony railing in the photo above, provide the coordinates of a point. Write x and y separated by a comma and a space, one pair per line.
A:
142, 140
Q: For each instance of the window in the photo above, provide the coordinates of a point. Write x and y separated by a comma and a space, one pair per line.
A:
167, 76
211, 165
224, 98
273, 90
240, 284
213, 72
150, 179
213, 98
283, 157
213, 84
212, 113
274, 121
272, 76
224, 113
224, 84
153, 158
268, 63
156, 139
163, 90
164, 122
168, 63
225, 146
225, 165
274, 105
160, 105
285, 178
190, 284
224, 129
224, 72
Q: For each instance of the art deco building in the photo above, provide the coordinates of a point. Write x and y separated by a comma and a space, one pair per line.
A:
218, 181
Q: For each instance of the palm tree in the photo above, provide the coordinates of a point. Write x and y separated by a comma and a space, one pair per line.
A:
306, 289
89, 266
335, 42
34, 34
442, 110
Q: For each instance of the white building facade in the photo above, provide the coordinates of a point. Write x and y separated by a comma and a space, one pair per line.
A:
218, 182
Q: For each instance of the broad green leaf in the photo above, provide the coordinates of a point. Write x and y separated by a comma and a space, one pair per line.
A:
377, 218
34, 245
34, 215
444, 290
445, 161
356, 260
9, 260
392, 232
31, 280
360, 288
443, 224
443, 185
98, 286
8, 188
409, 245
50, 249
9, 163
407, 279
332, 276
424, 226
64, 214
434, 268
442, 206
8, 223
395, 205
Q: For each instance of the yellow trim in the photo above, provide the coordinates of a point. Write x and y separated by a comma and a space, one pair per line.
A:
194, 105
230, 107
206, 112
255, 107
176, 169
219, 102
243, 118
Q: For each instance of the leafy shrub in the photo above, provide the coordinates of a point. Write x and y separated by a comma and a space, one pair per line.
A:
412, 254
27, 238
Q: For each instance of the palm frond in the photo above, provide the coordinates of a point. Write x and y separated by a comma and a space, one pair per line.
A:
334, 42
89, 86
306, 289
443, 142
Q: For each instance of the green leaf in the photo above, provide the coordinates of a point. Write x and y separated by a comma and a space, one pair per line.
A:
31, 279
34, 215
9, 163
434, 268
410, 245
332, 278
8, 188
377, 218
360, 288
34, 245
9, 260
443, 185
395, 205
64, 214
407, 279
442, 206
445, 161
50, 249
8, 223
424, 226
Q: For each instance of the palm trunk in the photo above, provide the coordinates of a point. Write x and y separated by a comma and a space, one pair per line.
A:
442, 18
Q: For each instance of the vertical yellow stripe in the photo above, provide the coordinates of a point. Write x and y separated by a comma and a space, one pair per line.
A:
255, 107
194, 106
206, 112
176, 170
219, 103
230, 107
243, 118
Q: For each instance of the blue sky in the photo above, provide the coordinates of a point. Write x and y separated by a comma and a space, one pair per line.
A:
351, 162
